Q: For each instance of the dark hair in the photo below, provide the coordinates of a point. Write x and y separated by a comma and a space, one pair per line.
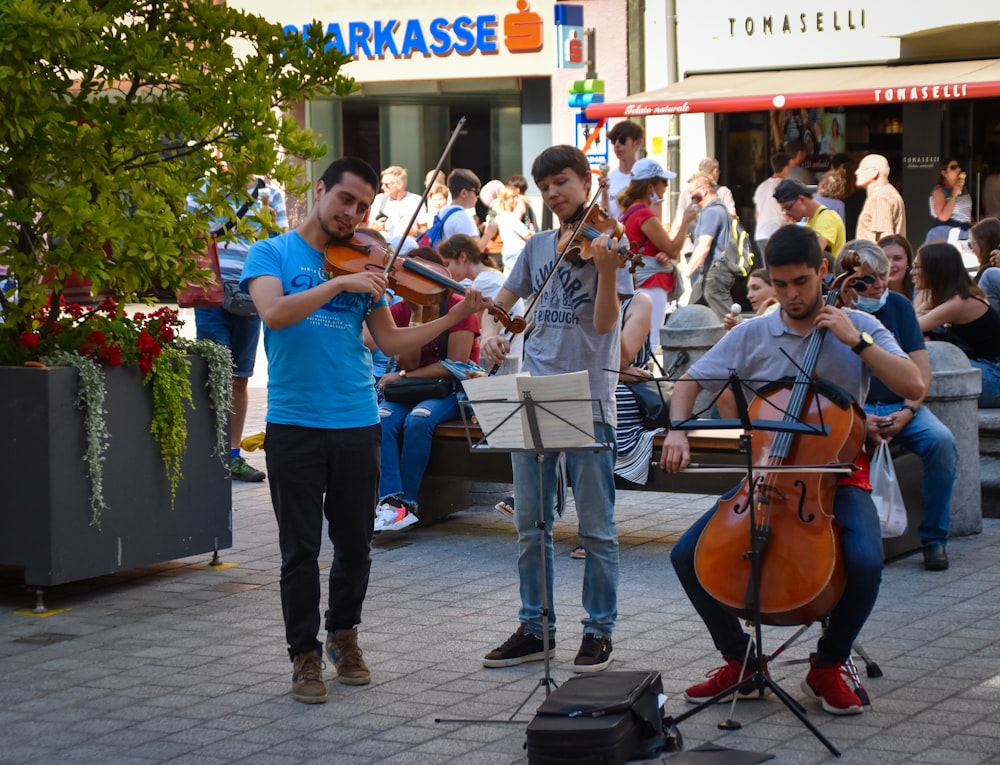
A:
779, 161
354, 165
987, 236
943, 168
456, 244
624, 129
460, 179
426, 253
555, 159
792, 245
902, 241
944, 275
519, 182
794, 146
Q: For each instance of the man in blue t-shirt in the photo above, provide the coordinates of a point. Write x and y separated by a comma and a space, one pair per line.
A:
323, 431
905, 421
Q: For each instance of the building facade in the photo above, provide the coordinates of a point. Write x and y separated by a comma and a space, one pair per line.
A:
421, 65
915, 82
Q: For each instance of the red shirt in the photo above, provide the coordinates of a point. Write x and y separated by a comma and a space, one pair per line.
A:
431, 352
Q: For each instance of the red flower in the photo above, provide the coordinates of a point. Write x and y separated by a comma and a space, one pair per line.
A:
30, 339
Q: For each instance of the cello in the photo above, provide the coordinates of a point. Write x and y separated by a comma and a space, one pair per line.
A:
794, 540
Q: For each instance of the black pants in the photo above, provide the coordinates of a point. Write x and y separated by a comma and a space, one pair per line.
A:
315, 473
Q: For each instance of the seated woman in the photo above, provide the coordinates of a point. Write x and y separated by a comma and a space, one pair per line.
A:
760, 294
985, 241
407, 429
951, 307
900, 253
635, 443
950, 204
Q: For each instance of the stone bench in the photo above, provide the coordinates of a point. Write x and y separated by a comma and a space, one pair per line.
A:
457, 478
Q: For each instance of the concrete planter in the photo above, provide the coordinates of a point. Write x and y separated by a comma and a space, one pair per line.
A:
45, 514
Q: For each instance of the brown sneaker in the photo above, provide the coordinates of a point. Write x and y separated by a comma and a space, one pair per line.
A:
307, 679
342, 648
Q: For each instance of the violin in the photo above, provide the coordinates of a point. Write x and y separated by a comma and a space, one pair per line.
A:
411, 279
575, 243
795, 542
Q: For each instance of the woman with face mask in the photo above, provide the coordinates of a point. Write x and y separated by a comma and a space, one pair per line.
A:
907, 422
657, 276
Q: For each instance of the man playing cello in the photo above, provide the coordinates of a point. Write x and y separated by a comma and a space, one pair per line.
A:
856, 347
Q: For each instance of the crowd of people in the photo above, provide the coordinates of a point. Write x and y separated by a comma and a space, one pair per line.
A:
358, 459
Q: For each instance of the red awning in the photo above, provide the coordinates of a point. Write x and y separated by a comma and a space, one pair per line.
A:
804, 88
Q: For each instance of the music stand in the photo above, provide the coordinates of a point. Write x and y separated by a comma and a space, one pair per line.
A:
519, 413
758, 681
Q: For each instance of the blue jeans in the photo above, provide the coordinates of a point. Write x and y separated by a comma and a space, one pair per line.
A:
238, 333
990, 396
591, 474
927, 437
406, 444
861, 546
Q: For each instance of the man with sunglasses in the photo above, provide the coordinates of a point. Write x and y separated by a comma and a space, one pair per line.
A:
884, 212
625, 139
797, 204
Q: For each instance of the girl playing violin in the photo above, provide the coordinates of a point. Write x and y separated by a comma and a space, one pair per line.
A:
576, 319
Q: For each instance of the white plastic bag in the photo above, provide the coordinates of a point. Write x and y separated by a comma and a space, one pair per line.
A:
885, 493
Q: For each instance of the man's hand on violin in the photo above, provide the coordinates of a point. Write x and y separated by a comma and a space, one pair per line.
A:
472, 302
372, 282
676, 451
606, 251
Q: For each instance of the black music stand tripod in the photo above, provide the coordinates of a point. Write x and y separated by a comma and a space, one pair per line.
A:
759, 680
535, 412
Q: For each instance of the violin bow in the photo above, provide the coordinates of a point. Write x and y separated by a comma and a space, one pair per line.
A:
423, 198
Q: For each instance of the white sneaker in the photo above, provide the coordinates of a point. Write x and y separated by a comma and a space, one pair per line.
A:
391, 518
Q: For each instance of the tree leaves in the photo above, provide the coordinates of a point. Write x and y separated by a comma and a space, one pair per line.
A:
114, 111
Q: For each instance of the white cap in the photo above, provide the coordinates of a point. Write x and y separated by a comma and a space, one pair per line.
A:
648, 169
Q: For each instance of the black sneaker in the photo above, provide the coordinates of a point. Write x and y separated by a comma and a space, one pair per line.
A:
241, 471
595, 654
519, 649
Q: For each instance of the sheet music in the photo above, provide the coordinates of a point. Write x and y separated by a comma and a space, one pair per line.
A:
563, 410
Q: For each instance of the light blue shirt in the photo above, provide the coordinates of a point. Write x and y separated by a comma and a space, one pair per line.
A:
319, 370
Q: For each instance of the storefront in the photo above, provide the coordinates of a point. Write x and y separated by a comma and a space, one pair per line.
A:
884, 77
421, 65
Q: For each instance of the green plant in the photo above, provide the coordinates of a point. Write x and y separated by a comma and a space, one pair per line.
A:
86, 338
115, 111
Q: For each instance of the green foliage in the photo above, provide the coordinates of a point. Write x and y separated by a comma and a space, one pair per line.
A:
114, 112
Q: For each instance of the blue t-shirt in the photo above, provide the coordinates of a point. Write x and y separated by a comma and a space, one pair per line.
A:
899, 318
319, 370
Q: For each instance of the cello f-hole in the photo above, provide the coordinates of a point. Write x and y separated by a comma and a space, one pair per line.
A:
800, 485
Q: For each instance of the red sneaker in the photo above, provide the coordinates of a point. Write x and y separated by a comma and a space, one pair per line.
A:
830, 685
719, 679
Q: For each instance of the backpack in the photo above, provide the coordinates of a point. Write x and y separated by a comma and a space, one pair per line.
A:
434, 234
739, 252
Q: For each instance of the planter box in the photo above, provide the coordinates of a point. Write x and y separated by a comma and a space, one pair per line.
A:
45, 514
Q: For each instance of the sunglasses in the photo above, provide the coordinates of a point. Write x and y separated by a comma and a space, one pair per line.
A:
620, 139
954, 167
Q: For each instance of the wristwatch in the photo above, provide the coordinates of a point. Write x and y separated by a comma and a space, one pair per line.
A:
864, 342
913, 409
402, 373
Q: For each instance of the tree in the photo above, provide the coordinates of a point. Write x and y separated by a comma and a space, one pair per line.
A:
114, 111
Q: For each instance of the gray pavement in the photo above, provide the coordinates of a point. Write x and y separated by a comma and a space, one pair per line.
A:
185, 663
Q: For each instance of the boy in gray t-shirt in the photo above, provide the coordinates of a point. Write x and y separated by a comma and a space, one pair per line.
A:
576, 318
